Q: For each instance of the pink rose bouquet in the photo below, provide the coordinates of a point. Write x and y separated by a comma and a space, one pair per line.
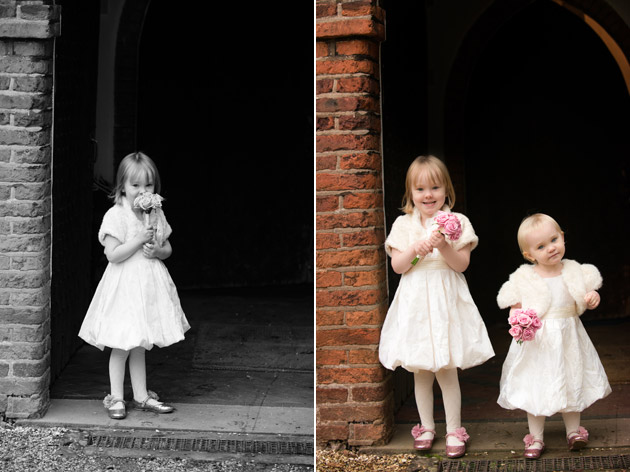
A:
449, 225
524, 324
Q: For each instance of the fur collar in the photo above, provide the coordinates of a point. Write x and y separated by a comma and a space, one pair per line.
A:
525, 286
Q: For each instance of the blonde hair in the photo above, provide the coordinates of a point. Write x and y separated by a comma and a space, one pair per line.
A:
436, 172
132, 166
530, 223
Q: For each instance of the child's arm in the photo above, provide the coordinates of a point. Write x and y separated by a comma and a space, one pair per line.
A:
115, 251
151, 250
592, 300
456, 260
401, 260
518, 306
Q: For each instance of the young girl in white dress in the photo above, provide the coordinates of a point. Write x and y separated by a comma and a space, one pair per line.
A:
433, 326
136, 305
558, 371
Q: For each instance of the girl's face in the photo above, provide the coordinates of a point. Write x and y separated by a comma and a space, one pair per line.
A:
545, 245
427, 195
137, 183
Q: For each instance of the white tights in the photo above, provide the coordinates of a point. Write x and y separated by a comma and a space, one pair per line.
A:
451, 396
537, 425
137, 372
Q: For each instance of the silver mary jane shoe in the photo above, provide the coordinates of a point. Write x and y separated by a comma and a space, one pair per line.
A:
158, 407
115, 413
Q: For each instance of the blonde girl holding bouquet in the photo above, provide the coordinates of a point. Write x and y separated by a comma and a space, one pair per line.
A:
558, 371
136, 305
433, 326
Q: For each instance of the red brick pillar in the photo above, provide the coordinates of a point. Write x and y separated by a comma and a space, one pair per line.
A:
354, 394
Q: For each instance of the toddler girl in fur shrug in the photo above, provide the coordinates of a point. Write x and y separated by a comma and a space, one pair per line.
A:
558, 371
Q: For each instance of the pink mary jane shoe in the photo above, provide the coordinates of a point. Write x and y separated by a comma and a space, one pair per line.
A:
577, 439
453, 452
422, 444
532, 452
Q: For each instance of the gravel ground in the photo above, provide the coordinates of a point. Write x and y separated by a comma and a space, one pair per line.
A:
349, 461
26, 449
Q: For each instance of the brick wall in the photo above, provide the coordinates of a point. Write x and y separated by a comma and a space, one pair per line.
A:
353, 391
27, 30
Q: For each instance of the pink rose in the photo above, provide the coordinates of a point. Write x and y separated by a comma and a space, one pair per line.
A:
513, 319
528, 334
449, 225
453, 229
441, 218
524, 320
536, 323
516, 332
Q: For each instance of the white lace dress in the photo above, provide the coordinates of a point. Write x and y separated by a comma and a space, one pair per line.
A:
136, 302
559, 371
433, 322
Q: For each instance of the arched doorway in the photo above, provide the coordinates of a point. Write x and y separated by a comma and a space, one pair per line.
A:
535, 113
234, 149
544, 130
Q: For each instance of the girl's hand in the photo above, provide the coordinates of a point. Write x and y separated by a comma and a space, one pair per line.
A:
592, 300
437, 240
150, 250
146, 234
422, 248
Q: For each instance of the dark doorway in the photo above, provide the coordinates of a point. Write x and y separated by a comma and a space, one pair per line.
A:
544, 127
227, 116
547, 116
72, 166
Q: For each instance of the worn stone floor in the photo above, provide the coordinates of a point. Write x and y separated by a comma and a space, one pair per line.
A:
226, 325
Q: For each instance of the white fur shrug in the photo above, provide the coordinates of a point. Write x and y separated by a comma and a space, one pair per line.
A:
407, 229
529, 289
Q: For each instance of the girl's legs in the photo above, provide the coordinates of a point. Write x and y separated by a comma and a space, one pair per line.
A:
423, 390
571, 422
138, 373
536, 429
117, 361
451, 395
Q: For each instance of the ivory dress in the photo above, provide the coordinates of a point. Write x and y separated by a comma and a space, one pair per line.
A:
136, 302
559, 371
433, 322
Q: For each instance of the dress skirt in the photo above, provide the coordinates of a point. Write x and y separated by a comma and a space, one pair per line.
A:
559, 371
135, 305
433, 322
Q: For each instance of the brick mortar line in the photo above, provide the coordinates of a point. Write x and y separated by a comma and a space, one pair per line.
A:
340, 18
349, 132
348, 75
338, 114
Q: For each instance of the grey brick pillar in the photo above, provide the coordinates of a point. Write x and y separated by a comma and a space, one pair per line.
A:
27, 32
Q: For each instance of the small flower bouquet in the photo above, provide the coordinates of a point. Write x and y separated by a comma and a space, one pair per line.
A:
447, 224
147, 201
524, 324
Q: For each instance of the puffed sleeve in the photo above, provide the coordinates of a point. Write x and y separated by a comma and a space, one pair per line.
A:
112, 225
508, 295
592, 278
398, 237
468, 234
